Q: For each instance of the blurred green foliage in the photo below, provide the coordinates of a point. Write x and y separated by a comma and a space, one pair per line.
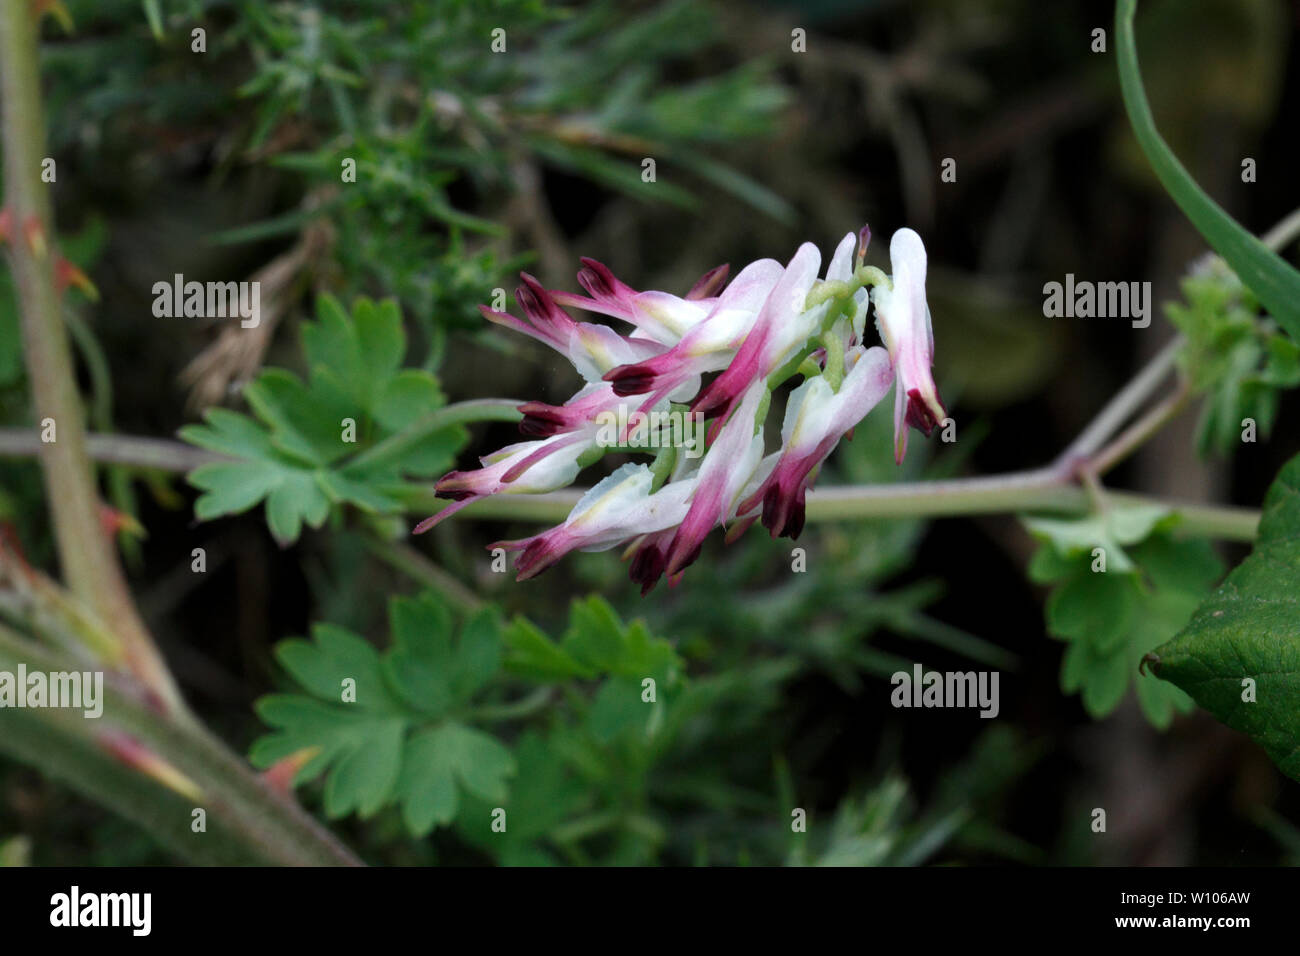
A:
1240, 359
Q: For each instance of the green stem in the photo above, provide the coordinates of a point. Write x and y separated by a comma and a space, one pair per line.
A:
416, 566
479, 410
117, 479
101, 380
516, 710
834, 359
1047, 489
1224, 522
1136, 435
1122, 405
585, 827
662, 466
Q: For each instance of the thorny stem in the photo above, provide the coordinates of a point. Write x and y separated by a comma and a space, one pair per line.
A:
86, 554
259, 824
270, 825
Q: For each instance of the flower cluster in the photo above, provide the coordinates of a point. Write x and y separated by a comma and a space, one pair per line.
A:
769, 324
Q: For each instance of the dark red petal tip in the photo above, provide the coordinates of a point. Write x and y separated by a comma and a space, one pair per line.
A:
630, 379
710, 283
919, 414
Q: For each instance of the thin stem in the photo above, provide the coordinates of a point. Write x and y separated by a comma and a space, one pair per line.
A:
1045, 489
96, 362
1225, 522
1041, 489
1137, 434
87, 556
515, 710
415, 565
1048, 489
478, 410
1284, 232
158, 453
1121, 406
1013, 493
1097, 500
167, 455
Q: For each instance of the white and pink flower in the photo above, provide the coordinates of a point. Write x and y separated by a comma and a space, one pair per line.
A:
755, 332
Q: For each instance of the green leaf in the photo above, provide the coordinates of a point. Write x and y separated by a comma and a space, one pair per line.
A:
532, 654
1249, 630
361, 749
294, 500
543, 795
1111, 619
1099, 608
342, 488
364, 777
480, 654
229, 433
291, 495
430, 669
403, 737
295, 453
333, 655
153, 14
233, 488
304, 423
439, 759
1266, 273
405, 398
617, 708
